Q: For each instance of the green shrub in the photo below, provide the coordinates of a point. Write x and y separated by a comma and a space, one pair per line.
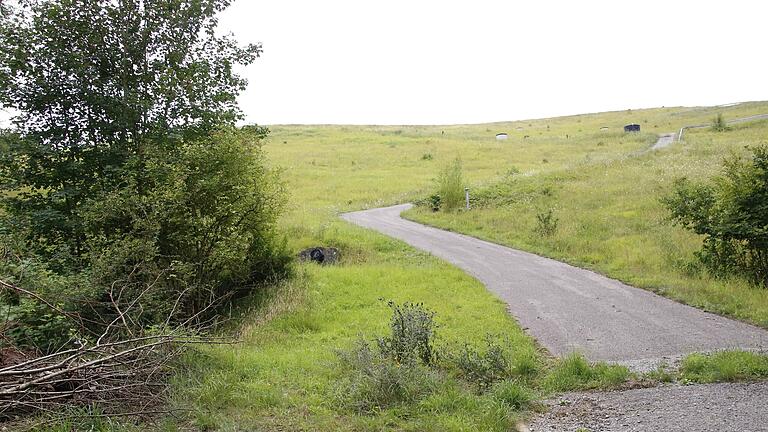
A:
731, 213
196, 227
412, 335
483, 368
451, 186
546, 223
719, 124
375, 381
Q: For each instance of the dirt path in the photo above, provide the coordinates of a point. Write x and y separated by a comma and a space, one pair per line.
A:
570, 309
673, 408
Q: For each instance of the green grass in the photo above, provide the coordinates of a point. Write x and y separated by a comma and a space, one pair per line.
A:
724, 366
610, 219
285, 374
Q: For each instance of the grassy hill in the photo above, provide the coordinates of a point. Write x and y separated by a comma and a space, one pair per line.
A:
603, 187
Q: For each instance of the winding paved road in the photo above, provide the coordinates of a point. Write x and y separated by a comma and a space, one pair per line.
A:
571, 309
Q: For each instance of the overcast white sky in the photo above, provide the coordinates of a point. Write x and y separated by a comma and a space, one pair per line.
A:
430, 62
440, 62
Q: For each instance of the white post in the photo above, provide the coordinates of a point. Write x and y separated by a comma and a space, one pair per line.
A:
466, 196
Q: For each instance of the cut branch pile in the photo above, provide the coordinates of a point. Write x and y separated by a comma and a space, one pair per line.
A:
120, 371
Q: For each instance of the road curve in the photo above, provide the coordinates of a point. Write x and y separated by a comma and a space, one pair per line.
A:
571, 309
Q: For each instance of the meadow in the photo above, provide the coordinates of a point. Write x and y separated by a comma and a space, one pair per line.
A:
604, 187
610, 218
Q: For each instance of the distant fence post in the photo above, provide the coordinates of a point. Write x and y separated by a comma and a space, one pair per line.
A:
466, 196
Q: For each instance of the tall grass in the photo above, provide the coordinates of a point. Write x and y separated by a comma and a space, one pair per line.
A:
451, 186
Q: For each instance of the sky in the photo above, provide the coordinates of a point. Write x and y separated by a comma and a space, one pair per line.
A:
445, 62
448, 62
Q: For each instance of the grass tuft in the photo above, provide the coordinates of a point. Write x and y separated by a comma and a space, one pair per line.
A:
574, 372
724, 366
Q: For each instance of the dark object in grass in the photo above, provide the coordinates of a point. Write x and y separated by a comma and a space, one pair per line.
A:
320, 255
634, 127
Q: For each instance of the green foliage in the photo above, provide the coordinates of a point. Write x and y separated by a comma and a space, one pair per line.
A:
434, 202
375, 381
724, 366
731, 212
451, 186
546, 223
412, 334
125, 177
132, 78
486, 367
719, 124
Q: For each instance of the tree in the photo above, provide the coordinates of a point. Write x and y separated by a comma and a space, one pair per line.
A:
98, 81
731, 213
130, 180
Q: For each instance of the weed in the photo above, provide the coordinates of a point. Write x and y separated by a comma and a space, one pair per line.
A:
661, 374
412, 334
546, 223
377, 382
486, 367
427, 157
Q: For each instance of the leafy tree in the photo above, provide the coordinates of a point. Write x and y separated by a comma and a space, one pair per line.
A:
731, 212
129, 177
96, 83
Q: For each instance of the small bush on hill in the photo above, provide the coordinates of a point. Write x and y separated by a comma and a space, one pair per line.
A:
719, 124
546, 223
731, 212
451, 187
412, 334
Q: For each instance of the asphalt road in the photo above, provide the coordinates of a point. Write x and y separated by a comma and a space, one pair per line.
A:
665, 140
570, 309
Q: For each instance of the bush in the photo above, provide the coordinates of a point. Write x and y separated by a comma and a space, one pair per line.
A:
731, 212
376, 382
201, 230
719, 124
412, 335
451, 186
546, 223
484, 368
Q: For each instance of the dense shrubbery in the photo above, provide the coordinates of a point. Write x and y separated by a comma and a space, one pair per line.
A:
731, 212
125, 184
201, 230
